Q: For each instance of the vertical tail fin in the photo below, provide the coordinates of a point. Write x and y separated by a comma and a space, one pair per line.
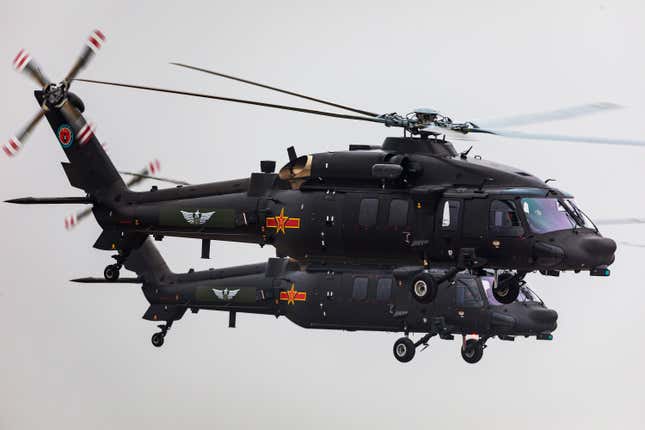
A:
89, 166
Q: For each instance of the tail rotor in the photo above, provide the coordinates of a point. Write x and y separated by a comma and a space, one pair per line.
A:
24, 62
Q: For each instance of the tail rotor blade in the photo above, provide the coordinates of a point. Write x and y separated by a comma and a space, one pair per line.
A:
94, 43
73, 220
23, 62
16, 143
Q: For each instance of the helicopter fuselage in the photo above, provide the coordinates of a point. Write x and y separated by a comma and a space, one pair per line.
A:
420, 208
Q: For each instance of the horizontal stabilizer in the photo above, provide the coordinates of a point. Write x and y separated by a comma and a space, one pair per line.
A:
105, 281
50, 201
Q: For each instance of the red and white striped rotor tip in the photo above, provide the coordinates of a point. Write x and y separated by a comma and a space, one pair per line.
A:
96, 40
12, 147
70, 221
154, 166
86, 133
22, 59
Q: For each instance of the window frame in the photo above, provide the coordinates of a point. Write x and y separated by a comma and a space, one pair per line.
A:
510, 231
364, 211
472, 286
355, 288
380, 287
453, 209
404, 206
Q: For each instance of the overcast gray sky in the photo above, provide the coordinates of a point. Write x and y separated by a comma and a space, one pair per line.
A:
80, 357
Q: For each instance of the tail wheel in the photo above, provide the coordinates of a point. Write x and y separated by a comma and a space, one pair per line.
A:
111, 272
158, 339
472, 351
404, 350
423, 288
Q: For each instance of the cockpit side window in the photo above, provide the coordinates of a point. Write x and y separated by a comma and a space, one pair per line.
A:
467, 294
504, 219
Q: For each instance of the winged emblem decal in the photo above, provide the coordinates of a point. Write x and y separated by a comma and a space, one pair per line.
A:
225, 294
197, 217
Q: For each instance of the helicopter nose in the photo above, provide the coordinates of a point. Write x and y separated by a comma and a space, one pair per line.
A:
586, 251
602, 247
544, 319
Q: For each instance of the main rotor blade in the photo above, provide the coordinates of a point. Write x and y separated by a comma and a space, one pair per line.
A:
242, 101
558, 137
291, 93
635, 245
554, 115
620, 221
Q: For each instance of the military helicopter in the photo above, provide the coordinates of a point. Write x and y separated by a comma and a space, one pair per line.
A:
339, 297
410, 204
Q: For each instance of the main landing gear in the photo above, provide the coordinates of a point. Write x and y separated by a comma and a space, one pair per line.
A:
507, 287
404, 348
473, 350
424, 286
158, 338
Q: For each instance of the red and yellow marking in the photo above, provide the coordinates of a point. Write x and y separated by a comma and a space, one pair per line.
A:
282, 222
292, 296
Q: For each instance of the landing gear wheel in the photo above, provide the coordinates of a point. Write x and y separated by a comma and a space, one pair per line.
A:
507, 288
472, 351
157, 339
423, 288
111, 272
404, 350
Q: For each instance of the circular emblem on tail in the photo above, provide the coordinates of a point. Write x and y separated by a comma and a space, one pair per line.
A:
65, 136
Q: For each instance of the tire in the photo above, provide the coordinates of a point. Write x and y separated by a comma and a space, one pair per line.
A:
111, 272
509, 290
404, 350
158, 339
423, 288
472, 352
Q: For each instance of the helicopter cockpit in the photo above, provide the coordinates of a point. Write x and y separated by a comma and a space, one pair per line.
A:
549, 214
564, 237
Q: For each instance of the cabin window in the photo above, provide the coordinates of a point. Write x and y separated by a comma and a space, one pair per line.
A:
359, 291
504, 219
383, 289
367, 212
398, 213
450, 215
467, 294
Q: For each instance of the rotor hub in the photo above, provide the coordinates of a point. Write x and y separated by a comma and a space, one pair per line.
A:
55, 95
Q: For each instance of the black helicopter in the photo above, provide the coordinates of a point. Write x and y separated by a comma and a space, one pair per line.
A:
339, 297
410, 204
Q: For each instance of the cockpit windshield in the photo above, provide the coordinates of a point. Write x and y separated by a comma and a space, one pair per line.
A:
548, 214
